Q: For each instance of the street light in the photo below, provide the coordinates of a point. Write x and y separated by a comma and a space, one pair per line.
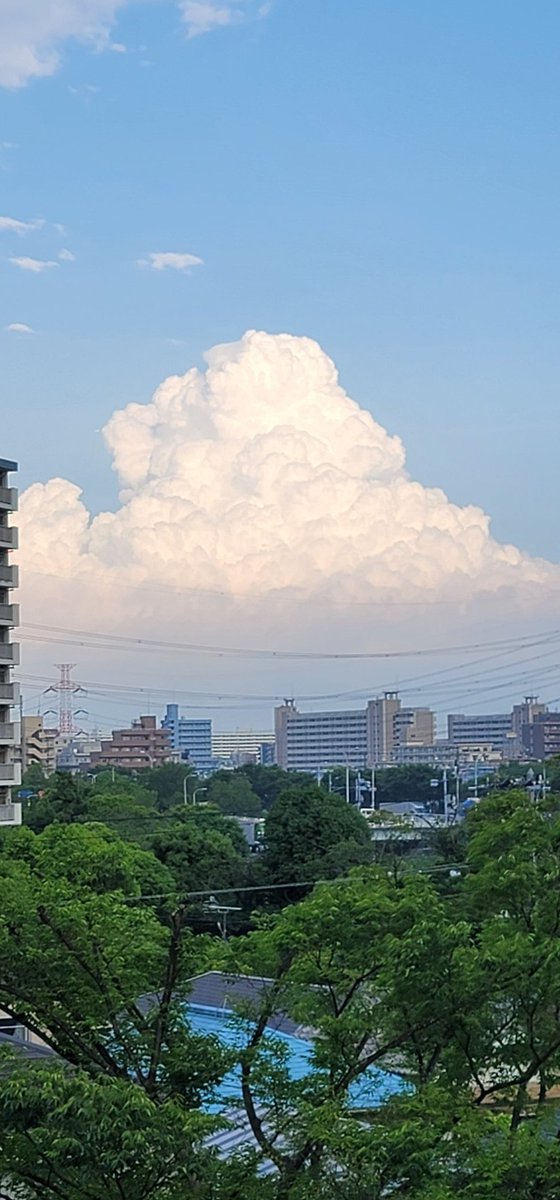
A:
196, 791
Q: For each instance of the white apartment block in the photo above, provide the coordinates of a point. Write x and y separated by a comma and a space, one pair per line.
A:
10, 770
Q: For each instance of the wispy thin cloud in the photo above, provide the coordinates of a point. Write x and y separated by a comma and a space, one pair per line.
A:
36, 265
118, 48
12, 225
205, 16
66, 255
170, 261
19, 327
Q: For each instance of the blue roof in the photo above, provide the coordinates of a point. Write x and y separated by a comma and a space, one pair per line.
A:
369, 1091
7, 465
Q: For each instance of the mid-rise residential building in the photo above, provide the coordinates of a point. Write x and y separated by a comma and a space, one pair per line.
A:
143, 745
413, 727
526, 713
190, 738
523, 716
371, 736
494, 729
238, 746
38, 745
10, 769
541, 737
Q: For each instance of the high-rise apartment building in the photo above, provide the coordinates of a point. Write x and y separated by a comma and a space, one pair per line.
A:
381, 714
494, 729
142, 745
190, 738
362, 737
310, 741
10, 770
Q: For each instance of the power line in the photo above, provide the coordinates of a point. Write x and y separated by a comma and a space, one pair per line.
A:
109, 641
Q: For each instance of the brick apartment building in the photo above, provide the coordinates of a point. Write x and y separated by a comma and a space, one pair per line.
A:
143, 745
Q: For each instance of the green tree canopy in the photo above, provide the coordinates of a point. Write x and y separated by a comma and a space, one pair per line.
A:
310, 834
231, 791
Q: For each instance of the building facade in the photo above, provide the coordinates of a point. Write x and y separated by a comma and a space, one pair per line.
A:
38, 745
381, 733
381, 714
142, 745
191, 739
311, 741
10, 769
493, 729
541, 737
238, 746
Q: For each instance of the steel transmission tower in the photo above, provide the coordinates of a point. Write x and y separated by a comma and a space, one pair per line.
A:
66, 689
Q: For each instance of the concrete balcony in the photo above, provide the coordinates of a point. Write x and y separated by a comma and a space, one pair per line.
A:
9, 654
9, 614
9, 693
10, 814
9, 499
9, 575
9, 536
7, 733
10, 774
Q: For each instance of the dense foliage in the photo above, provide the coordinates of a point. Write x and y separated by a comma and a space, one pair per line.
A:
449, 981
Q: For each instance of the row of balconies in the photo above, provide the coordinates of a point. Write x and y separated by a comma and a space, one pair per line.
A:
9, 536
9, 575
9, 498
9, 654
10, 774
9, 614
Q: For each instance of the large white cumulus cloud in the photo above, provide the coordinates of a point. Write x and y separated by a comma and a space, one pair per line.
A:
261, 475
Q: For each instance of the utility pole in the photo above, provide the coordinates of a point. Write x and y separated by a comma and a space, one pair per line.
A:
347, 784
445, 798
373, 787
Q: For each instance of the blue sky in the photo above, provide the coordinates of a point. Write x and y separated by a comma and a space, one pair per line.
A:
382, 177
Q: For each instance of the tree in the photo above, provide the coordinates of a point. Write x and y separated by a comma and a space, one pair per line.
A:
65, 798
456, 1001
79, 950
310, 834
396, 785
269, 782
168, 782
232, 793
202, 849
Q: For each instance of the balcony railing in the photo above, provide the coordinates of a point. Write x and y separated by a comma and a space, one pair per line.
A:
9, 575
7, 732
9, 498
9, 614
9, 693
10, 774
9, 653
9, 536
10, 814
